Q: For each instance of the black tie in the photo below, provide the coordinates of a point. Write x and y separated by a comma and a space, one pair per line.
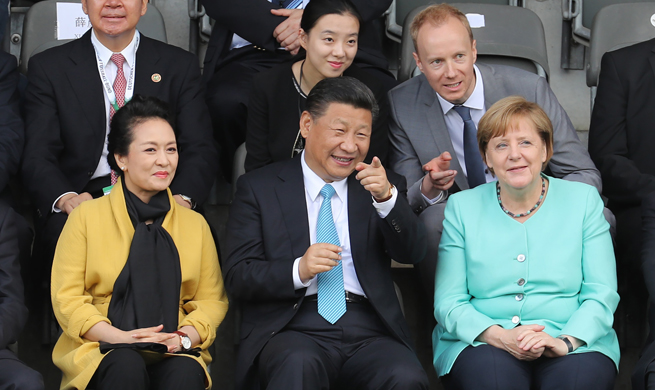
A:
472, 158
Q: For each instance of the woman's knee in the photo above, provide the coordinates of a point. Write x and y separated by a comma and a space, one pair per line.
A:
121, 368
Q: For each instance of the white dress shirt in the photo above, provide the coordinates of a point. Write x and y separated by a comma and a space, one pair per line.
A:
314, 199
455, 123
105, 54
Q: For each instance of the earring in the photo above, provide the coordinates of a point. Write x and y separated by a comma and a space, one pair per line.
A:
122, 168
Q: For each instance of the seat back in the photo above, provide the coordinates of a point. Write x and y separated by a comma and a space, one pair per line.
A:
511, 36
618, 26
40, 29
399, 10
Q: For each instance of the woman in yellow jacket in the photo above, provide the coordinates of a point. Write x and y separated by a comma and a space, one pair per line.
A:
136, 284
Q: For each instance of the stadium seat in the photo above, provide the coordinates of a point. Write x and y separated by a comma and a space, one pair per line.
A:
511, 36
399, 10
618, 26
40, 26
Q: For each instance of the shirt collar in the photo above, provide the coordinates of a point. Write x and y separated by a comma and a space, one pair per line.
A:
314, 184
105, 54
475, 101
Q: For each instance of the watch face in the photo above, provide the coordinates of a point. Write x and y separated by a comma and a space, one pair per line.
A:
186, 342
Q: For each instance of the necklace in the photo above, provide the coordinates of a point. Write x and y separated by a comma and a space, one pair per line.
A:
511, 214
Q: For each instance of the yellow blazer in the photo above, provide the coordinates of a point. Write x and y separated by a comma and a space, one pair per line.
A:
91, 252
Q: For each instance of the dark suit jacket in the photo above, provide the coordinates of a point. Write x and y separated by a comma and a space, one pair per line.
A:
274, 109
66, 119
12, 137
13, 312
648, 267
253, 21
622, 134
268, 230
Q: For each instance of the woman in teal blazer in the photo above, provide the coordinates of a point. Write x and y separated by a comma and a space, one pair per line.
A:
526, 279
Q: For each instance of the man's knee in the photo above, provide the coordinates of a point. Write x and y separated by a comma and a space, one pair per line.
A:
409, 375
292, 357
22, 378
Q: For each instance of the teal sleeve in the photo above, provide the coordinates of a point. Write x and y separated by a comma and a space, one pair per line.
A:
452, 301
598, 296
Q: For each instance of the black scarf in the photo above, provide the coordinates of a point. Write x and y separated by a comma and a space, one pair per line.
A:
147, 291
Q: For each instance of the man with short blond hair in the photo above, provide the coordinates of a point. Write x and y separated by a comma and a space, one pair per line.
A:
429, 114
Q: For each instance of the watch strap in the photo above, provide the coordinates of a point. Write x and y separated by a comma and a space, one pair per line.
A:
568, 343
183, 336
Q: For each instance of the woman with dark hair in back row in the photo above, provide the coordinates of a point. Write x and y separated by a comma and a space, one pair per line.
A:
329, 36
136, 285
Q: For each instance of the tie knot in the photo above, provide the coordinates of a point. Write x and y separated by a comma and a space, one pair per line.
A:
327, 191
118, 59
464, 112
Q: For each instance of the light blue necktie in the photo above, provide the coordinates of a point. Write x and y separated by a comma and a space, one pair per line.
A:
472, 159
290, 4
331, 293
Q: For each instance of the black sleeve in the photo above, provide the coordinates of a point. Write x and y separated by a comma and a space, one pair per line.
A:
12, 136
13, 312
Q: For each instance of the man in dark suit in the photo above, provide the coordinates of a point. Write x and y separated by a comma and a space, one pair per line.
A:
282, 269
254, 35
621, 140
68, 108
14, 374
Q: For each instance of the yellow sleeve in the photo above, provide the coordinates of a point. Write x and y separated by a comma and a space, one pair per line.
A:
71, 302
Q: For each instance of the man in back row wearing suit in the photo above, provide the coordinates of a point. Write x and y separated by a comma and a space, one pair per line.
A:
72, 93
310, 242
434, 117
621, 140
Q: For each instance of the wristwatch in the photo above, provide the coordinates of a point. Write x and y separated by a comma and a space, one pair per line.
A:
568, 343
192, 203
185, 340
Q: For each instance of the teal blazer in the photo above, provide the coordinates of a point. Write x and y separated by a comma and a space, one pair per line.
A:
556, 269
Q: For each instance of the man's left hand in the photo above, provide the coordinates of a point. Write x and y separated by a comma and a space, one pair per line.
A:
374, 178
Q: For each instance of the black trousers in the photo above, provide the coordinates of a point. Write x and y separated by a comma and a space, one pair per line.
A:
125, 369
486, 367
354, 353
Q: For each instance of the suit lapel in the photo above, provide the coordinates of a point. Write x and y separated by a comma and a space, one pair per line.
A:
146, 65
359, 217
291, 198
493, 89
437, 125
651, 59
85, 81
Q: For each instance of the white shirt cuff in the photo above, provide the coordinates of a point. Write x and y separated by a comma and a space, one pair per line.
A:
384, 208
54, 208
297, 283
439, 198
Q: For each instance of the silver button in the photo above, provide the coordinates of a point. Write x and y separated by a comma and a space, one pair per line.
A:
519, 297
295, 306
515, 319
521, 258
520, 282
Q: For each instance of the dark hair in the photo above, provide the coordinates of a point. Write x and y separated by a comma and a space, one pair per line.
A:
132, 114
319, 8
345, 90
